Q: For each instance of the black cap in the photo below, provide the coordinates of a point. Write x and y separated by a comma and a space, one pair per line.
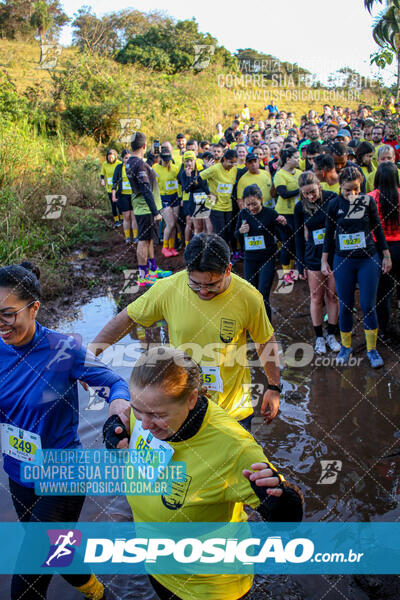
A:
251, 156
180, 136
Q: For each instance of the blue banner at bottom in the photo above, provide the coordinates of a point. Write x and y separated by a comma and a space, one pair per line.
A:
200, 548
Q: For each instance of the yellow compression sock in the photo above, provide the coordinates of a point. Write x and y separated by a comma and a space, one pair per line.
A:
370, 337
286, 268
186, 242
171, 243
165, 244
346, 338
116, 219
291, 264
127, 233
135, 233
93, 589
179, 236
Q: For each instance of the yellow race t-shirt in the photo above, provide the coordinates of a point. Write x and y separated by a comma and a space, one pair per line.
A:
212, 331
220, 182
264, 182
107, 170
214, 491
290, 181
167, 179
215, 138
370, 185
331, 188
126, 186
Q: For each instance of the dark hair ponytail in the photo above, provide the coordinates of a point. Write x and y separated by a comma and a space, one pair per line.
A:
387, 182
23, 280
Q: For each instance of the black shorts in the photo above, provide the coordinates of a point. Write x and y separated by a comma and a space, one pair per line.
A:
145, 227
124, 202
172, 200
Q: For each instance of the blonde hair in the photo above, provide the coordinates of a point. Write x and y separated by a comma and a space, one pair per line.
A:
172, 370
309, 178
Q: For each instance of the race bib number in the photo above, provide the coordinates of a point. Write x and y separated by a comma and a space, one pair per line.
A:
109, 180
352, 241
254, 242
126, 186
200, 198
19, 443
319, 236
211, 377
224, 188
142, 439
171, 185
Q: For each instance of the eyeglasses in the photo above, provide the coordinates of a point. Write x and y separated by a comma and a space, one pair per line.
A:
10, 318
210, 287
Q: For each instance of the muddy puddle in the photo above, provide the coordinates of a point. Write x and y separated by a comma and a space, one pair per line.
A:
335, 428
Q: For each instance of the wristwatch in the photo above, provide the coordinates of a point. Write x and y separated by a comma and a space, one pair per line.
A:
275, 388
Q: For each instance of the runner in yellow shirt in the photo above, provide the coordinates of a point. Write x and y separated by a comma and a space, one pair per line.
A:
167, 173
225, 467
179, 151
221, 178
106, 180
255, 175
209, 312
220, 134
324, 168
287, 188
122, 196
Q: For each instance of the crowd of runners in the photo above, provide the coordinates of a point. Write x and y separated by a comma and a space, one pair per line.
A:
317, 199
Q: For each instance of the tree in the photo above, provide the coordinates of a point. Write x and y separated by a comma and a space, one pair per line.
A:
93, 34
173, 47
24, 18
386, 33
41, 19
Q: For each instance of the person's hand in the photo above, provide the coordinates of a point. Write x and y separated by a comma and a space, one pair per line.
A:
386, 264
114, 197
270, 405
303, 275
188, 171
102, 182
281, 219
244, 228
122, 408
212, 199
158, 217
264, 477
325, 269
208, 163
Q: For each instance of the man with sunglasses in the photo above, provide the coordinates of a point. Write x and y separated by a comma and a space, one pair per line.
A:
209, 311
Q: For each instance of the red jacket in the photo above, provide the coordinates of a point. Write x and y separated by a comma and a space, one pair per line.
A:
392, 234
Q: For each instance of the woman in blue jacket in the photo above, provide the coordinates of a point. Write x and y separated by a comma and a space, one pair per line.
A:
39, 371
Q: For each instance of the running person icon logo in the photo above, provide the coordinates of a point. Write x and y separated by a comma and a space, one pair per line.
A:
330, 471
357, 207
61, 552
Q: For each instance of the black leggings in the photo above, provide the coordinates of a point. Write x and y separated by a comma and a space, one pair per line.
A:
32, 508
114, 207
164, 594
221, 222
386, 287
260, 273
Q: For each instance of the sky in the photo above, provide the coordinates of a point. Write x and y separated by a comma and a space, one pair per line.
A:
319, 35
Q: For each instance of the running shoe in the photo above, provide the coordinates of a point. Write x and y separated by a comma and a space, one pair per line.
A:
320, 346
148, 280
173, 252
375, 359
166, 252
117, 224
128, 240
332, 343
160, 273
343, 355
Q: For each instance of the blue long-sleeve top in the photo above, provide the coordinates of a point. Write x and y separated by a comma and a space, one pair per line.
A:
40, 392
